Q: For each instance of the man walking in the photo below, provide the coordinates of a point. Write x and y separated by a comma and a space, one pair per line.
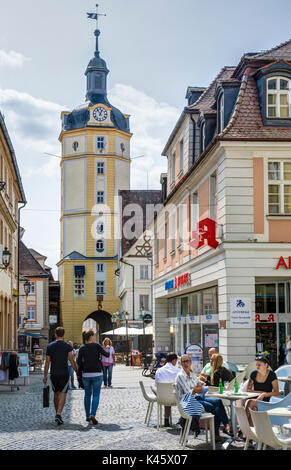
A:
168, 374
57, 355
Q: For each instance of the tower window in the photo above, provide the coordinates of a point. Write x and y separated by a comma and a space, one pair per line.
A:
100, 287
100, 268
75, 145
100, 227
79, 281
100, 197
98, 80
100, 246
100, 143
100, 168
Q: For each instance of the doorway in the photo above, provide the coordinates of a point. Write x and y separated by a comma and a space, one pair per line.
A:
266, 341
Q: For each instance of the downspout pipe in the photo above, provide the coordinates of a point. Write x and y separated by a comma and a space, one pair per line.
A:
132, 266
18, 262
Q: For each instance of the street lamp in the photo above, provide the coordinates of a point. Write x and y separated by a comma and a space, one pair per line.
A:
27, 287
115, 316
6, 256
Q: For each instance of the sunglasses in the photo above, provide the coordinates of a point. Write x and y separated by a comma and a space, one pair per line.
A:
184, 362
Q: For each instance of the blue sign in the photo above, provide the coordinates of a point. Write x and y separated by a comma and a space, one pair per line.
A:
169, 285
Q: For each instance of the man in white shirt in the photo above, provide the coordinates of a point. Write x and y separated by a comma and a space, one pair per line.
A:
168, 374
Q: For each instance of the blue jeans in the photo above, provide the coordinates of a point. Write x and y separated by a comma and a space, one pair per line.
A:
107, 374
71, 374
92, 386
214, 406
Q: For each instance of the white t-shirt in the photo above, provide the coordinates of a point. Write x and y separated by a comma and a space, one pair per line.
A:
167, 373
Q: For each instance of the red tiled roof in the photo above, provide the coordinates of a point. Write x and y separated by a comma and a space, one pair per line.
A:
246, 121
282, 51
206, 101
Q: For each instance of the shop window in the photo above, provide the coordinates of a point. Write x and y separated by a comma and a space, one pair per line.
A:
266, 298
184, 306
196, 303
281, 298
209, 301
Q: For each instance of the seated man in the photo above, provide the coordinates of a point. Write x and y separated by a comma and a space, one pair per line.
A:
168, 374
187, 381
207, 369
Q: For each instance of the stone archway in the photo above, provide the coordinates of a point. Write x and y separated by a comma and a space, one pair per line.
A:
102, 318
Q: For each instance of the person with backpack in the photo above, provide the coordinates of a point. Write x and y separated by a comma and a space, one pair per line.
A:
90, 373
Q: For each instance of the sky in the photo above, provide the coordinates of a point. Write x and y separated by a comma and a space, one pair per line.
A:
154, 50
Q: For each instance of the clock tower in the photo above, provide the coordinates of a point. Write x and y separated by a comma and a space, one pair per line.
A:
95, 139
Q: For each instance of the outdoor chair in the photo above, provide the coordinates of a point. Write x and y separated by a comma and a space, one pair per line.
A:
165, 397
266, 434
248, 431
151, 399
207, 418
283, 371
249, 369
276, 402
232, 367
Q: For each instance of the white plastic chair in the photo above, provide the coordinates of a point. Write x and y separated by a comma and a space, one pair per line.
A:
207, 417
283, 371
151, 399
249, 369
165, 397
248, 431
266, 433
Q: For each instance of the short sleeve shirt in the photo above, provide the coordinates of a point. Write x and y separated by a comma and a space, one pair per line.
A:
106, 361
58, 352
264, 386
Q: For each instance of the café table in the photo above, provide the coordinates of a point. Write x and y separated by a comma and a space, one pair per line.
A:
283, 411
232, 397
287, 381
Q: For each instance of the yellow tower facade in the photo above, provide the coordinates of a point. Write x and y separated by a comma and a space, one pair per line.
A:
95, 165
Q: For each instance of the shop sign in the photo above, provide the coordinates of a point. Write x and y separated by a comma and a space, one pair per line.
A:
265, 317
282, 263
23, 367
206, 232
209, 318
178, 281
192, 319
53, 319
240, 312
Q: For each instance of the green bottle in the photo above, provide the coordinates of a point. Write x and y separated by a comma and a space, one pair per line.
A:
220, 386
235, 388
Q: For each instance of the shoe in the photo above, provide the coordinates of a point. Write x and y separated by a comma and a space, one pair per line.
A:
228, 432
88, 420
59, 420
219, 439
109, 386
94, 420
167, 423
105, 386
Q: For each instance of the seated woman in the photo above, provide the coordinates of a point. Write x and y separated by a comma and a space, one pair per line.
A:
188, 386
265, 382
218, 371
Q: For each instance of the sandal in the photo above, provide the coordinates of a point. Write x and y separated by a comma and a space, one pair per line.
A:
219, 439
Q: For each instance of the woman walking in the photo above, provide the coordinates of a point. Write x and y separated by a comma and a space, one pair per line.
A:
108, 363
90, 371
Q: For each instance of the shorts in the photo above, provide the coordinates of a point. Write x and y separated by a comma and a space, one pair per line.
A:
60, 383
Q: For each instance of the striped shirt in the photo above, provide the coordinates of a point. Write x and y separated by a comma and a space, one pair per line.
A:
184, 382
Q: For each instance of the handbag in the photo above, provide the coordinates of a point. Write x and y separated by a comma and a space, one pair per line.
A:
46, 396
190, 405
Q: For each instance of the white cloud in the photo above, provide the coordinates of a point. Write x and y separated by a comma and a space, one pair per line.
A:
12, 59
151, 123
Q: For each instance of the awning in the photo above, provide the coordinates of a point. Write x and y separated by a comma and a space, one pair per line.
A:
34, 335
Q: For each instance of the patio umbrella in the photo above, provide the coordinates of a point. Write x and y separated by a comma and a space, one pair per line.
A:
122, 331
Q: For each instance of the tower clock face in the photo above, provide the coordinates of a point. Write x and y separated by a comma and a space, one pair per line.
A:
100, 114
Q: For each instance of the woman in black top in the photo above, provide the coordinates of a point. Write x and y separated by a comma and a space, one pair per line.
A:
90, 373
218, 371
265, 382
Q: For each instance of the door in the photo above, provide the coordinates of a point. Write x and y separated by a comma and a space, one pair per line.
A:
266, 335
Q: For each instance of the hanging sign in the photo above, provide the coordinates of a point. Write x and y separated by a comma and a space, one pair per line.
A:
206, 232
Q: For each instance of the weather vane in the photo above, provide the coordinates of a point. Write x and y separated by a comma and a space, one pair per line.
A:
95, 16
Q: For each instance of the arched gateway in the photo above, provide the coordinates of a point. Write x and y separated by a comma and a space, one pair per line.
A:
103, 319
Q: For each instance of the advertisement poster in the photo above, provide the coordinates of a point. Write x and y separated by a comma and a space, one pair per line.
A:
211, 340
196, 353
23, 368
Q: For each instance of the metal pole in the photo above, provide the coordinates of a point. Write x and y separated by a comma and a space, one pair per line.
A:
127, 358
129, 264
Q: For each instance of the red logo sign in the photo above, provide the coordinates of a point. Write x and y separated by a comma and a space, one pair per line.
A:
270, 318
182, 280
283, 263
206, 231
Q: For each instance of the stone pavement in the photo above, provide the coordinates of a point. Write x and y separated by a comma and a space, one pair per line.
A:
26, 425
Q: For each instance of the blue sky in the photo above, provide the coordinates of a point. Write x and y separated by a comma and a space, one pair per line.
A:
154, 50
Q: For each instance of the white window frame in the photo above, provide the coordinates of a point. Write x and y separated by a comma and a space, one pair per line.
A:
278, 92
173, 167
32, 287
221, 112
100, 268
100, 288
195, 212
29, 308
213, 197
143, 303
100, 197
144, 272
181, 154
173, 232
100, 143
281, 183
202, 136
100, 227
100, 241
100, 166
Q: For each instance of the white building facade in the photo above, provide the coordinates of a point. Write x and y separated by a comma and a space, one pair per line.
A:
222, 251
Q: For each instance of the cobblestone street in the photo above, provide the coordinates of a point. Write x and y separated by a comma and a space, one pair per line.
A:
26, 425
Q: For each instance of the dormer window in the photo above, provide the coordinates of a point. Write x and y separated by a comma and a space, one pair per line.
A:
221, 113
279, 98
202, 137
